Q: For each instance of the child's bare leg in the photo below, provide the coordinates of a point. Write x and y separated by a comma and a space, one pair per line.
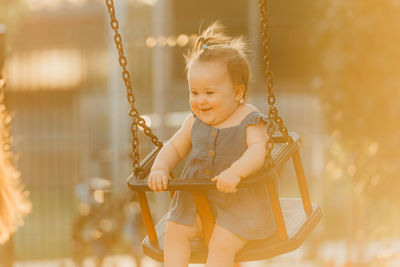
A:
223, 247
177, 243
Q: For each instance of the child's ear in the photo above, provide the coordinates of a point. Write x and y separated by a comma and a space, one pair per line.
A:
239, 92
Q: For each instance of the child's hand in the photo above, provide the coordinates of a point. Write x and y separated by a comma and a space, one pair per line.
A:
158, 180
227, 181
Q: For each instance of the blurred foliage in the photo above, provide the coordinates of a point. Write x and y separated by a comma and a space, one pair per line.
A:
360, 91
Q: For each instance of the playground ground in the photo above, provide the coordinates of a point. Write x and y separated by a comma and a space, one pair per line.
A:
329, 254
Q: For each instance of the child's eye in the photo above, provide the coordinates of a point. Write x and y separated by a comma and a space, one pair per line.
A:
209, 92
193, 92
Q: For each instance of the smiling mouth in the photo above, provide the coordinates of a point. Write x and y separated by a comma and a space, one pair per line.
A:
205, 109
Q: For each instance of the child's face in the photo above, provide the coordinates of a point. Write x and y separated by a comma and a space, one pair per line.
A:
212, 95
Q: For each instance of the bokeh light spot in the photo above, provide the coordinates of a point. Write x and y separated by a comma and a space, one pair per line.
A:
151, 42
182, 40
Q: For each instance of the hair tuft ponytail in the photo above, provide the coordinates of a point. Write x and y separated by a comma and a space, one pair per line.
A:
214, 44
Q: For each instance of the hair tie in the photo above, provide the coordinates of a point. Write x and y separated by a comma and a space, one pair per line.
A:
204, 46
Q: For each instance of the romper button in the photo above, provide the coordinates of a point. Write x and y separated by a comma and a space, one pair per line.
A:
207, 172
213, 133
211, 153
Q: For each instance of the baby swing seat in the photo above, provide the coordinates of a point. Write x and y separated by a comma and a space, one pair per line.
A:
295, 217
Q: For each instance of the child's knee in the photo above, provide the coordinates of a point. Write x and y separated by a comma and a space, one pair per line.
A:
224, 241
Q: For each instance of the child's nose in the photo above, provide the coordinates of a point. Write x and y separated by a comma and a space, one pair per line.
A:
203, 99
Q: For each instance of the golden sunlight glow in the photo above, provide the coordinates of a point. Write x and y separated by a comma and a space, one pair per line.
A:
98, 195
39, 4
148, 2
375, 180
330, 166
335, 149
373, 149
96, 234
352, 169
151, 42
84, 209
336, 79
106, 225
182, 40
162, 41
337, 174
54, 4
45, 69
171, 41
77, 2
147, 119
192, 38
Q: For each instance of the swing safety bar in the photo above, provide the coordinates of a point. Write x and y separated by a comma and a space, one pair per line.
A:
138, 181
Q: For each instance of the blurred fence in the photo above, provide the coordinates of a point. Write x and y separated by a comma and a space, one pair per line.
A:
59, 100
47, 142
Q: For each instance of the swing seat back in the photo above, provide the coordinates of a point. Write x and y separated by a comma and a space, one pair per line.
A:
295, 218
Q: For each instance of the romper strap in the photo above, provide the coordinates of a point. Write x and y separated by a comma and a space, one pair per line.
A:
254, 118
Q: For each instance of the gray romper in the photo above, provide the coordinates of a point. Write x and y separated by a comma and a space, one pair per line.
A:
246, 213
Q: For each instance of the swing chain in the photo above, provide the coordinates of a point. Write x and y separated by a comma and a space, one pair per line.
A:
137, 120
272, 111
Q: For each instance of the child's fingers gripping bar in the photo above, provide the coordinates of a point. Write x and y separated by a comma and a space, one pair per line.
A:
153, 182
150, 182
159, 183
165, 182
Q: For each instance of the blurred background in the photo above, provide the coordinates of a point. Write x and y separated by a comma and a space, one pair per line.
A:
336, 65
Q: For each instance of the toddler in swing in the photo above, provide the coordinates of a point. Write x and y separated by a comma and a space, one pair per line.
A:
224, 140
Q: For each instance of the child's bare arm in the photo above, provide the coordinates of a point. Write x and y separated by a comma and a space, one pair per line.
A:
251, 161
253, 158
170, 155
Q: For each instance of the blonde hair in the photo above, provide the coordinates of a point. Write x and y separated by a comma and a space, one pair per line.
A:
13, 202
213, 45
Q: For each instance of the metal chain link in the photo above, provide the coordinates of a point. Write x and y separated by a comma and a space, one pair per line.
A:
137, 120
133, 112
272, 111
